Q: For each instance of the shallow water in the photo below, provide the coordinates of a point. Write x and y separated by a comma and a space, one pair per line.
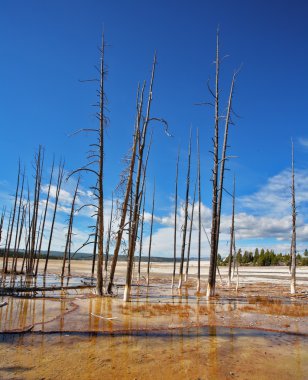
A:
199, 353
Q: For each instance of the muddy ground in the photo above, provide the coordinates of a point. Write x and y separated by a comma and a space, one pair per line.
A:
174, 326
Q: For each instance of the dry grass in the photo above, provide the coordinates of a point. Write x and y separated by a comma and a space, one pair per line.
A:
261, 304
153, 310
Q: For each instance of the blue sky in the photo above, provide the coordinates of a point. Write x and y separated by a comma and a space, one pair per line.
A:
47, 47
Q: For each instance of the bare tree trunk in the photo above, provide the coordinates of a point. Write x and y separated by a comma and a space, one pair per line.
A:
127, 191
223, 162
218, 185
19, 225
199, 215
28, 232
7, 239
11, 227
142, 142
175, 217
2, 222
185, 216
59, 183
150, 242
100, 210
190, 232
141, 237
213, 255
70, 230
231, 236
108, 237
44, 219
293, 250
38, 179
94, 249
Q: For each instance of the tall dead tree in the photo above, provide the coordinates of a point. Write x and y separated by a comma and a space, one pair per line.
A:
96, 167
150, 241
213, 254
175, 217
218, 182
19, 225
141, 236
190, 233
185, 216
231, 236
137, 194
11, 226
44, 219
199, 215
293, 248
39, 161
109, 236
58, 189
67, 250
2, 222
127, 190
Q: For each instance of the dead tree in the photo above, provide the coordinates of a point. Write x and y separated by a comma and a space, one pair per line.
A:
109, 236
175, 217
44, 219
218, 182
11, 225
58, 189
231, 236
185, 216
141, 237
199, 214
19, 225
67, 250
8, 228
293, 249
190, 233
150, 241
94, 248
39, 161
127, 190
137, 200
2, 222
96, 167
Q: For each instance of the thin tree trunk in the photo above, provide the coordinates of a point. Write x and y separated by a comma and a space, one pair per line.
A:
59, 183
141, 237
18, 226
37, 190
2, 222
293, 250
185, 216
127, 191
150, 242
231, 236
7, 238
108, 237
223, 162
199, 215
142, 142
70, 230
175, 217
100, 211
44, 219
190, 233
213, 255
94, 249
7, 250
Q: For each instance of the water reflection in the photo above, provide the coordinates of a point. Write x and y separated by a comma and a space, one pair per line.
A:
207, 353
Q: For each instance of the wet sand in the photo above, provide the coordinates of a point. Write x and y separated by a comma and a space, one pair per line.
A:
162, 333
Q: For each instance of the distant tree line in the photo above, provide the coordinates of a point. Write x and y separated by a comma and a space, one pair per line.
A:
265, 258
